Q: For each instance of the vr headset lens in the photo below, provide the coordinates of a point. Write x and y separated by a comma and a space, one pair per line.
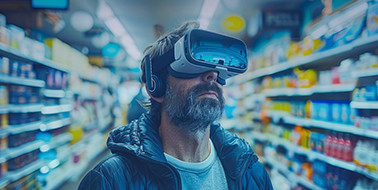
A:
217, 50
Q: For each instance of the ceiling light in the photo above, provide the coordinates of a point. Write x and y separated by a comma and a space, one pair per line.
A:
207, 12
99, 41
130, 47
103, 10
115, 26
81, 21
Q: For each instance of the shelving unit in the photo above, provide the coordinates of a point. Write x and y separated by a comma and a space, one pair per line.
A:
54, 116
56, 109
365, 73
356, 47
21, 81
364, 105
20, 108
287, 118
308, 91
309, 114
292, 176
55, 124
315, 155
16, 129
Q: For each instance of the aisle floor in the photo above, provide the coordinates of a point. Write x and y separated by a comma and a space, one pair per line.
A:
71, 185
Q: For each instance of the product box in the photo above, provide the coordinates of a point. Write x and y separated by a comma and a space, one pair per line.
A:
372, 19
336, 112
60, 51
17, 36
4, 65
37, 49
3, 95
78, 61
4, 35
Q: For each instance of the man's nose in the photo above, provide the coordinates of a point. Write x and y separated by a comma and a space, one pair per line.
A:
209, 76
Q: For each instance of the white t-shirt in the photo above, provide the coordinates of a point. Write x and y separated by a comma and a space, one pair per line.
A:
208, 174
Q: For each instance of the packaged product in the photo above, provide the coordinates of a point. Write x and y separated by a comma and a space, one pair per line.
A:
4, 35
17, 36
4, 65
3, 95
23, 160
372, 19
3, 168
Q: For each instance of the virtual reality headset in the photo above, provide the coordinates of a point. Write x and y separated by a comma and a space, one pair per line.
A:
199, 51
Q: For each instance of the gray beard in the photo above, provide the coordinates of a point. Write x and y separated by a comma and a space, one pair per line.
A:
191, 114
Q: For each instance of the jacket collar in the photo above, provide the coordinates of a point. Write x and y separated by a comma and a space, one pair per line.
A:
235, 153
141, 138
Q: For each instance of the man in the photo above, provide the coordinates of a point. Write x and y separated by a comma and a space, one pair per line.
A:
177, 145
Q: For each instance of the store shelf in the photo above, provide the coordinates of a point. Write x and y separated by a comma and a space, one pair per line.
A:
56, 109
16, 129
21, 81
3, 182
14, 53
321, 57
57, 177
78, 170
20, 108
287, 118
51, 93
309, 91
292, 176
55, 124
23, 149
312, 155
30, 168
365, 73
60, 140
364, 105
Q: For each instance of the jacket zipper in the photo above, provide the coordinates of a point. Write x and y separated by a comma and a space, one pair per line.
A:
243, 171
177, 179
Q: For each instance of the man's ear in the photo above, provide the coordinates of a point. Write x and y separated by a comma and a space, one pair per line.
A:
160, 99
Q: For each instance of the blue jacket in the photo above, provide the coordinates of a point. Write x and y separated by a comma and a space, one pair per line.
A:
138, 161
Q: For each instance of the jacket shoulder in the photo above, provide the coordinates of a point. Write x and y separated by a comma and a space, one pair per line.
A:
256, 175
107, 172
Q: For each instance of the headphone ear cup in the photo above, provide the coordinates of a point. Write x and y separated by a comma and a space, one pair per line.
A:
159, 87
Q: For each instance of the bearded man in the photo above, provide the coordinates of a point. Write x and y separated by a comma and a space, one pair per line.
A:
178, 144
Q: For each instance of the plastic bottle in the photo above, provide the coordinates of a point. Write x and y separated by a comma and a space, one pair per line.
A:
327, 144
339, 154
357, 152
334, 145
358, 185
347, 154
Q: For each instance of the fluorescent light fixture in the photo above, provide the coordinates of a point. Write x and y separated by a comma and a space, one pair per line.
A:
130, 47
207, 12
115, 26
103, 10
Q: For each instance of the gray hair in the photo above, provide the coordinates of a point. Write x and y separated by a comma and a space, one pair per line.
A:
159, 47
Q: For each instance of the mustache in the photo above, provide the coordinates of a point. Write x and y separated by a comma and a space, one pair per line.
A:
206, 87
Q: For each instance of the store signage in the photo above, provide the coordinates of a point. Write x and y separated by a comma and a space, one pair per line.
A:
282, 19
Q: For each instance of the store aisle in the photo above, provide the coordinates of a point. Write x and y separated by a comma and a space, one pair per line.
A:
70, 185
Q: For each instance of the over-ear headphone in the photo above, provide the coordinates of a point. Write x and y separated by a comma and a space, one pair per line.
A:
155, 86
